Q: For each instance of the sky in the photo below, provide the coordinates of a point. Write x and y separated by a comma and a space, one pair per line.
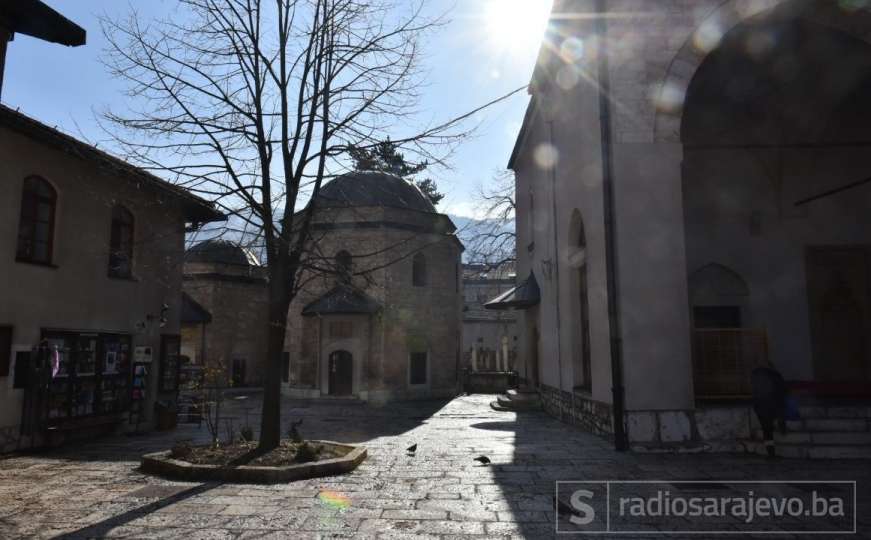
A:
487, 49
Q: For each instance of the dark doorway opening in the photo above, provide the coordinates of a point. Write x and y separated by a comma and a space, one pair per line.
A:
341, 373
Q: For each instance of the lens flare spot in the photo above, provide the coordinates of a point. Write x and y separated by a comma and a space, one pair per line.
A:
546, 156
567, 77
572, 50
669, 97
708, 36
334, 499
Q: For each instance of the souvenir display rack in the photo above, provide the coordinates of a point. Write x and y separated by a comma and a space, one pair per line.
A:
90, 375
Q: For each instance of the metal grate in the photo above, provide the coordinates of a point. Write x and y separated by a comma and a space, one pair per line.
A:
723, 359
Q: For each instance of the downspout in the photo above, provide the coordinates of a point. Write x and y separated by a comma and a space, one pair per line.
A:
616, 340
556, 262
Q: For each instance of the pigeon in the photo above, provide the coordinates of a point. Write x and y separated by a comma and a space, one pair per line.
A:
412, 449
484, 460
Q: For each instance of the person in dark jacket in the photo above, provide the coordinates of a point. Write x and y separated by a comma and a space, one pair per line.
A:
769, 402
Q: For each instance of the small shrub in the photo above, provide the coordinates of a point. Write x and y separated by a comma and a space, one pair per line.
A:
307, 452
247, 433
180, 450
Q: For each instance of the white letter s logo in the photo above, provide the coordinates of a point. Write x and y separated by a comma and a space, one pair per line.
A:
589, 514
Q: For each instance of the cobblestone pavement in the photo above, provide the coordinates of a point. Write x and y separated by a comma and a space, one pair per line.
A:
95, 490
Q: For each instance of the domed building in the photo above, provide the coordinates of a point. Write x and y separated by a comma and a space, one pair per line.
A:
224, 298
382, 318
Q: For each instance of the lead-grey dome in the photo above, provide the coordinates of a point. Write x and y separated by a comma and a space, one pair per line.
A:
373, 189
221, 252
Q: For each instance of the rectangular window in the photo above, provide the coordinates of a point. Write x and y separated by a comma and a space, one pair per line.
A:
285, 366
22, 369
341, 329
170, 350
5, 349
417, 368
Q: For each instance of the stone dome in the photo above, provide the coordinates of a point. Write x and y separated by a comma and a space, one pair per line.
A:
220, 252
372, 188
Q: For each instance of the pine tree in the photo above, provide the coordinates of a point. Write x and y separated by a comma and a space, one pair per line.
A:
386, 157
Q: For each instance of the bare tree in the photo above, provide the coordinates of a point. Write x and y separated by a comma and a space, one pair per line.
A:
492, 236
252, 104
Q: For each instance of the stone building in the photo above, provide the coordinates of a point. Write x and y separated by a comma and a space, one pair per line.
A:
225, 311
491, 334
702, 214
383, 320
91, 274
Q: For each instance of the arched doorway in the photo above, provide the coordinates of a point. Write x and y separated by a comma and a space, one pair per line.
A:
775, 140
341, 373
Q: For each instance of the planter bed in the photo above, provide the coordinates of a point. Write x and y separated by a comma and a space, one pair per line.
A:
349, 457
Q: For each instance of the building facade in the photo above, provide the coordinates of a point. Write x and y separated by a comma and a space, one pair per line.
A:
92, 286
224, 325
91, 273
381, 318
700, 216
489, 336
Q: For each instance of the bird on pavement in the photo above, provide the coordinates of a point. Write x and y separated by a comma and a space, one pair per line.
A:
484, 460
412, 449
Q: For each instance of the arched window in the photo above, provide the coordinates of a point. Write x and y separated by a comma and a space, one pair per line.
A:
581, 310
344, 266
418, 270
36, 223
121, 243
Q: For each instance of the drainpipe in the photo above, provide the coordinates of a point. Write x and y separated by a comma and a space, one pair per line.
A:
616, 339
556, 260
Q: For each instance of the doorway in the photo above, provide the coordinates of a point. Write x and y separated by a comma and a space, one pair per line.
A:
838, 301
341, 367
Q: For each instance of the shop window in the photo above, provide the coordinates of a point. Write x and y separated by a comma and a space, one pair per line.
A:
5, 349
121, 243
341, 329
418, 270
417, 368
36, 221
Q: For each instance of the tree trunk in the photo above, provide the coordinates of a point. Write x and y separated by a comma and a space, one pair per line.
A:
270, 425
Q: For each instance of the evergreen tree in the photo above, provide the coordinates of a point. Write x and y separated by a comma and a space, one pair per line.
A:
386, 157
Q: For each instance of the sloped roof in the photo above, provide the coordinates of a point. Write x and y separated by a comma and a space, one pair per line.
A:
342, 300
192, 311
34, 18
219, 251
372, 188
195, 209
525, 295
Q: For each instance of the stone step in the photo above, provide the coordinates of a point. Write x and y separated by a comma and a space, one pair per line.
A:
520, 397
521, 392
829, 424
819, 437
816, 411
518, 404
813, 451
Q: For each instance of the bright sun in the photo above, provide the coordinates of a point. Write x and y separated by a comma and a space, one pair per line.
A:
516, 26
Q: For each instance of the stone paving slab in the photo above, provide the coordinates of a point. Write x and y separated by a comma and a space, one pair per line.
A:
95, 490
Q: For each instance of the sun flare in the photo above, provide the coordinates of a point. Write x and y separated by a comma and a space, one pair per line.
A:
516, 26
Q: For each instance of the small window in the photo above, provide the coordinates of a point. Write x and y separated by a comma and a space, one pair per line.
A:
418, 270
121, 243
36, 222
417, 368
5, 349
22, 370
344, 266
285, 366
341, 329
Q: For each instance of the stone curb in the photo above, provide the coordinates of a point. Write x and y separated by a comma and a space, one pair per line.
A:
159, 463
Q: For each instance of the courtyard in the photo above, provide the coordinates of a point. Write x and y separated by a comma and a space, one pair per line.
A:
94, 489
